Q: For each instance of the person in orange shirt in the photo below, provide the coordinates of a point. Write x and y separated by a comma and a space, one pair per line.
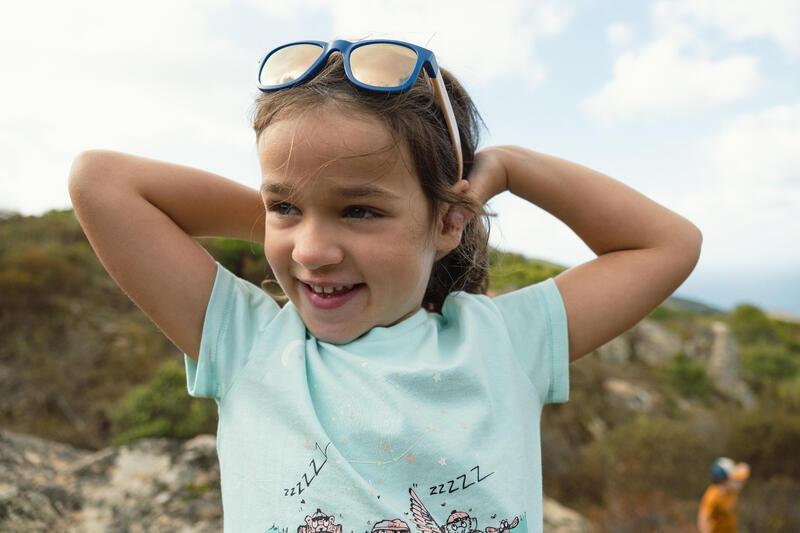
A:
718, 512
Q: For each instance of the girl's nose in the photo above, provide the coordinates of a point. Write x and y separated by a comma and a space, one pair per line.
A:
316, 247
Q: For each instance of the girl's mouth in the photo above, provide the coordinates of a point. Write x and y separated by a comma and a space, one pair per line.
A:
330, 297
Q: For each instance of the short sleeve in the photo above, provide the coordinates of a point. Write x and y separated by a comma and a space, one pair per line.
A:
537, 324
237, 310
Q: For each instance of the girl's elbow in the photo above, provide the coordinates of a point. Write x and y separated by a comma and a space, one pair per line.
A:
696, 242
689, 247
83, 167
89, 168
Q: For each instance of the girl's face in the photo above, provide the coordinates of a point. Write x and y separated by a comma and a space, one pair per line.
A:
349, 235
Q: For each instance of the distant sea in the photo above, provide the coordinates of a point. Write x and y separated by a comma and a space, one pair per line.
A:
777, 291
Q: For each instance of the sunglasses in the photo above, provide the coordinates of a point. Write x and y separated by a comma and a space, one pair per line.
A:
377, 65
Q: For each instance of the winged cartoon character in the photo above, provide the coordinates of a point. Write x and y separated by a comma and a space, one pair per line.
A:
457, 522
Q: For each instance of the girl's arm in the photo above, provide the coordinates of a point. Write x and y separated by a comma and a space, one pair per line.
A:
140, 216
644, 250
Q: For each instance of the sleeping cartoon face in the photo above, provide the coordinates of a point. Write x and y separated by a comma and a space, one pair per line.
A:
320, 522
460, 522
391, 526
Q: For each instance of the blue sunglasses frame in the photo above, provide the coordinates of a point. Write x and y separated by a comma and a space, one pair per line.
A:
426, 61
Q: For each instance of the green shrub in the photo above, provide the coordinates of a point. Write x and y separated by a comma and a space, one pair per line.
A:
789, 333
764, 361
648, 454
789, 393
770, 506
768, 439
30, 277
508, 271
161, 408
750, 325
243, 258
688, 377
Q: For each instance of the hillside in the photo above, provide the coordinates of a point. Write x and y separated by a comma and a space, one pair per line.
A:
80, 364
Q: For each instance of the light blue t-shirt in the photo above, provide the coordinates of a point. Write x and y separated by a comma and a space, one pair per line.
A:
427, 426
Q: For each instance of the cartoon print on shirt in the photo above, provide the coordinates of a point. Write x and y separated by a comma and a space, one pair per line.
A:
457, 522
320, 522
504, 526
427, 524
461, 522
391, 526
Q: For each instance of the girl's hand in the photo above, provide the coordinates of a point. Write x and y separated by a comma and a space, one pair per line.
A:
488, 176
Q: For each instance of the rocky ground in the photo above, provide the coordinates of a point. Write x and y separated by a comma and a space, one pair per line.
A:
152, 485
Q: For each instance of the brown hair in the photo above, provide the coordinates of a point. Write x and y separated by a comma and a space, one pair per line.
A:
415, 119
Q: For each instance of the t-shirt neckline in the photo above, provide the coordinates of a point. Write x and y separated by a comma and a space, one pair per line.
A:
380, 333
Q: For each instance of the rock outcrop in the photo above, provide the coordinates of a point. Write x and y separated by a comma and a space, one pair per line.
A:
654, 345
629, 395
723, 367
152, 486
559, 519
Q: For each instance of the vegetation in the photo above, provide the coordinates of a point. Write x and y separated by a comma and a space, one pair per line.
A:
688, 377
161, 408
80, 363
508, 271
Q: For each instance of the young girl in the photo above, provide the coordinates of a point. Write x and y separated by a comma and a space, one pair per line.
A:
389, 393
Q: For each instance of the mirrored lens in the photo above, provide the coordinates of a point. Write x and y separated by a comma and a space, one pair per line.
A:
382, 64
288, 64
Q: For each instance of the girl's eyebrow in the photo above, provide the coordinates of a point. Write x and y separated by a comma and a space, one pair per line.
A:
359, 191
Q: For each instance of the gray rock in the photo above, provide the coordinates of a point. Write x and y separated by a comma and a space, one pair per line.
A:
559, 519
723, 367
153, 485
653, 344
617, 351
698, 346
647, 341
629, 395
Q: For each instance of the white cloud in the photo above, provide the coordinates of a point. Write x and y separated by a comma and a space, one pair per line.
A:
156, 78
777, 20
477, 40
681, 69
748, 193
91, 73
761, 148
658, 78
619, 34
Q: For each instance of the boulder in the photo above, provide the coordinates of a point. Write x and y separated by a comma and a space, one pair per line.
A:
647, 341
153, 485
654, 344
617, 351
629, 395
559, 519
723, 367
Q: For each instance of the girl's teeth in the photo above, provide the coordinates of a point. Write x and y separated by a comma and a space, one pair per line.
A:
330, 290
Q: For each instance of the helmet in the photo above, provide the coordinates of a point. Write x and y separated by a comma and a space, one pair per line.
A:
724, 468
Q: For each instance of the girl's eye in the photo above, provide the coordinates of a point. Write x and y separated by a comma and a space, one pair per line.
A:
358, 211
282, 208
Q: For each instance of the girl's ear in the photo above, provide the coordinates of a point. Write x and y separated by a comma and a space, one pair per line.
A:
451, 224
449, 231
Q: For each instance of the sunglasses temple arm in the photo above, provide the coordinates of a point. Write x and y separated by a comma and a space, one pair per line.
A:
441, 94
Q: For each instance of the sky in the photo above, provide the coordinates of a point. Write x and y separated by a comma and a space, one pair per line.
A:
695, 103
